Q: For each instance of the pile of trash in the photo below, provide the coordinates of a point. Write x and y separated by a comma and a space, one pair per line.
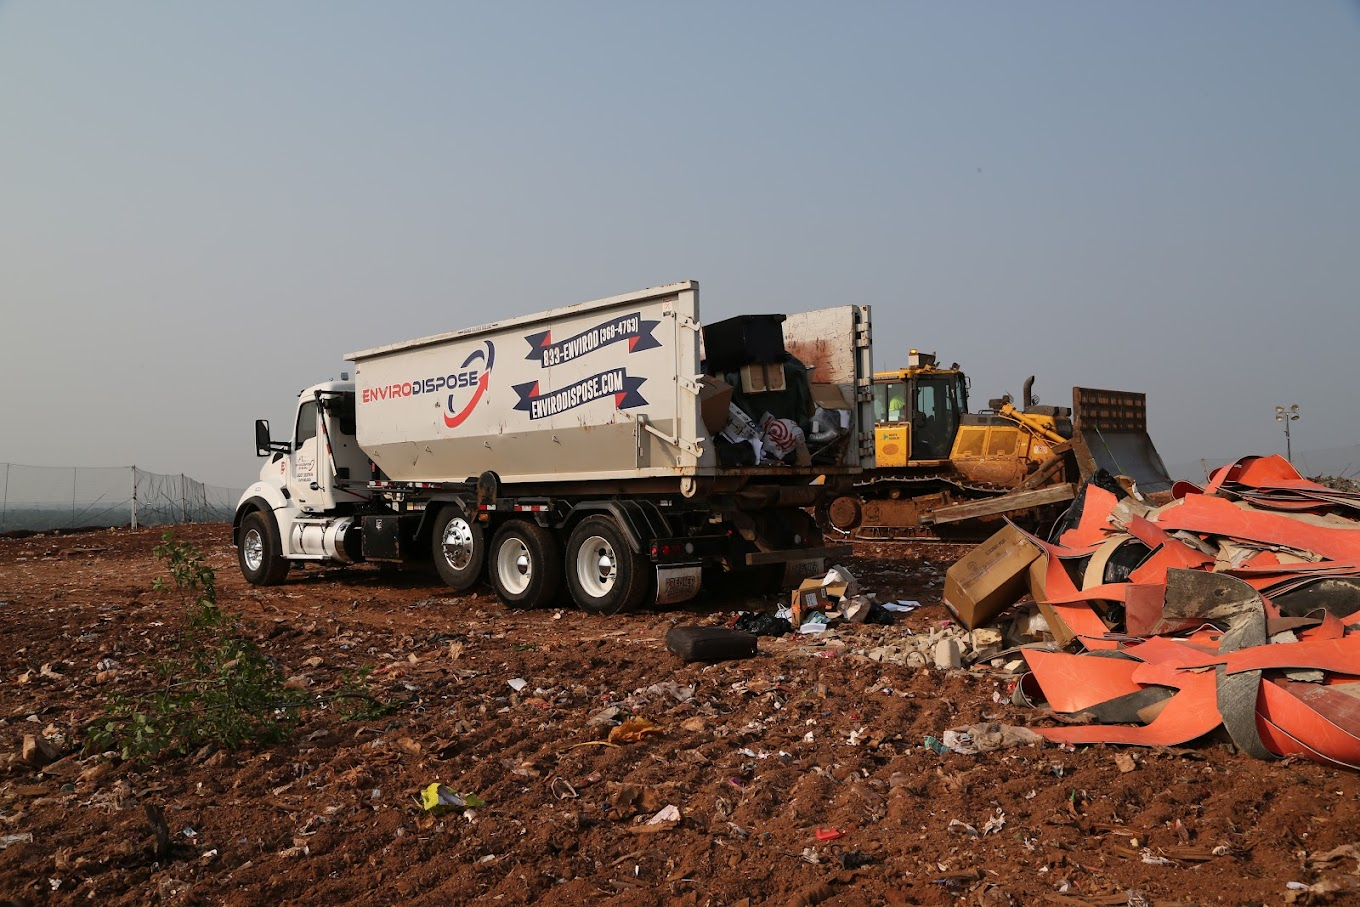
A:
758, 401
819, 602
817, 606
804, 435
1237, 604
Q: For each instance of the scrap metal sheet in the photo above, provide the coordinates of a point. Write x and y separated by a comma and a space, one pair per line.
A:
1225, 620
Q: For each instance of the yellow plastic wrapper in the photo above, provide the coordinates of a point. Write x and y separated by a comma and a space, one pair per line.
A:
437, 798
633, 730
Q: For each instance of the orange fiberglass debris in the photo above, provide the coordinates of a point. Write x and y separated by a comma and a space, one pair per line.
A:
1090, 530
1187, 715
1216, 516
1185, 662
1074, 683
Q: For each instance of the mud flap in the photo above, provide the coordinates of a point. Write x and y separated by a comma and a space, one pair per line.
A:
677, 583
797, 571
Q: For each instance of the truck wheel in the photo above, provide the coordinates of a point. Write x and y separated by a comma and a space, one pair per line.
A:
459, 549
526, 566
604, 575
259, 552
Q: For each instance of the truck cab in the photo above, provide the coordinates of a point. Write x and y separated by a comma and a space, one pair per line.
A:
302, 506
326, 469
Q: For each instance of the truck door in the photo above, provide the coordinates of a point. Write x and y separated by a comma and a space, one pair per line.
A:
935, 409
837, 345
892, 424
344, 466
305, 482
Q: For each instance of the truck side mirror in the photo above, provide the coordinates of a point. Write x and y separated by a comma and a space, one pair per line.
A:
262, 444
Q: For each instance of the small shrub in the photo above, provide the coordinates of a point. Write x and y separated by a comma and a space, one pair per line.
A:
355, 702
218, 687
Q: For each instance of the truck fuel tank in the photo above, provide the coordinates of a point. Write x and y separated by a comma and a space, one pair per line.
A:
336, 539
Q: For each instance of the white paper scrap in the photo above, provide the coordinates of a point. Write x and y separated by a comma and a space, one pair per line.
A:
902, 606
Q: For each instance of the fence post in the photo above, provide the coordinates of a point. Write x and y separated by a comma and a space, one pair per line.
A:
183, 499
134, 497
4, 501
75, 483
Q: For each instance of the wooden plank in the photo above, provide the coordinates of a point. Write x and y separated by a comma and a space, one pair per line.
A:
1006, 503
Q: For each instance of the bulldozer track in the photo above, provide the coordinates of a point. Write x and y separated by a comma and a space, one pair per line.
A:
913, 486
925, 481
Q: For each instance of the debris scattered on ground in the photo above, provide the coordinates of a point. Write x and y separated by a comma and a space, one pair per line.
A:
816, 732
38, 751
1235, 605
763, 623
437, 798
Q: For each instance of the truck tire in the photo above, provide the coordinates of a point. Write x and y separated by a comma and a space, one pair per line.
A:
458, 548
259, 553
604, 575
526, 565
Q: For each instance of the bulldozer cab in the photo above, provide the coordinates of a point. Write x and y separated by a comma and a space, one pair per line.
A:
917, 413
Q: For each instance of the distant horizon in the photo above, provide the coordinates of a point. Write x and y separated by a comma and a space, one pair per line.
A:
1339, 462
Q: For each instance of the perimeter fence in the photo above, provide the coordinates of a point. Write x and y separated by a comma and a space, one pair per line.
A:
39, 498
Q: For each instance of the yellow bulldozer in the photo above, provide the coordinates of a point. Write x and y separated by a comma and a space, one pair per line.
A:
946, 472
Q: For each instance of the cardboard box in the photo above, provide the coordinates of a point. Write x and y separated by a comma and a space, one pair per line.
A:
810, 596
829, 396
1038, 587
990, 578
759, 379
715, 396
816, 593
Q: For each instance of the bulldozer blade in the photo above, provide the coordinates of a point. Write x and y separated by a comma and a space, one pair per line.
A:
1109, 431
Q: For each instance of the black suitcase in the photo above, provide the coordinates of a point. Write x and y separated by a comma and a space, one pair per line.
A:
710, 643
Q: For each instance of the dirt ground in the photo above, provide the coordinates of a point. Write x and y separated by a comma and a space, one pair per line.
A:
758, 758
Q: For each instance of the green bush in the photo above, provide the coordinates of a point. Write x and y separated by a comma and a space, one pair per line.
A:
217, 688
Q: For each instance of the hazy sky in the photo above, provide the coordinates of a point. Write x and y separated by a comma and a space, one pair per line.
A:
204, 206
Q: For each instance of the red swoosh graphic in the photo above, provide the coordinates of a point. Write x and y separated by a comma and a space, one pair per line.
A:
458, 418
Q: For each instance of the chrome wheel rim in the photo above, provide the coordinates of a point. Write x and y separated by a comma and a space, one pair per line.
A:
252, 549
514, 566
457, 543
596, 566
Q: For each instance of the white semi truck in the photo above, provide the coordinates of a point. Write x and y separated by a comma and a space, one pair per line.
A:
587, 447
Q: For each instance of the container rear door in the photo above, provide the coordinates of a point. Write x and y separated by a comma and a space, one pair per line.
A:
836, 344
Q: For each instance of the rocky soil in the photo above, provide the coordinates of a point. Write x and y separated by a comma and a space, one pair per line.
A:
802, 776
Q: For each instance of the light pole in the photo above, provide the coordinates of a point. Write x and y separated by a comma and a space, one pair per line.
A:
1286, 416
